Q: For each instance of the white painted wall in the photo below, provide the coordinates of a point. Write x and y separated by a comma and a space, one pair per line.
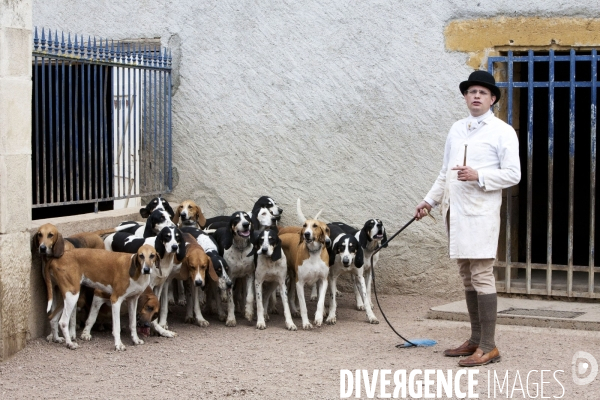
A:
345, 104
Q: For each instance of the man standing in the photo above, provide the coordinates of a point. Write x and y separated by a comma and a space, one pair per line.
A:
481, 158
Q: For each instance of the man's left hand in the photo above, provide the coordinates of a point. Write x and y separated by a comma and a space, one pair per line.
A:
466, 173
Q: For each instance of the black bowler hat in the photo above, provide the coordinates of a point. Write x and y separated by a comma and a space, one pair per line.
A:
481, 78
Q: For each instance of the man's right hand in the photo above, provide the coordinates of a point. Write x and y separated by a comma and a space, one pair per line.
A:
419, 212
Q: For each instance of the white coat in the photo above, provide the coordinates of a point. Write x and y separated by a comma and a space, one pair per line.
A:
493, 150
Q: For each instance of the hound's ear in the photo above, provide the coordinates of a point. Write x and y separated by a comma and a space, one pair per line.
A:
200, 219
168, 208
144, 212
160, 247
133, 265
157, 263
59, 246
211, 271
385, 244
184, 270
301, 236
254, 219
175, 218
331, 253
148, 232
227, 237
276, 251
254, 241
181, 250
253, 252
363, 239
35, 244
359, 260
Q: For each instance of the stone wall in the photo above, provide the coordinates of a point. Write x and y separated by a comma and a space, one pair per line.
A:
15, 173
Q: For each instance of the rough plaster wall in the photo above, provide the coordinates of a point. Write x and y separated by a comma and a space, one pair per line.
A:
345, 104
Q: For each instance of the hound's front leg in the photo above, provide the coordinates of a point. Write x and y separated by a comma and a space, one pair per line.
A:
368, 287
56, 310
132, 306
249, 310
97, 302
331, 318
292, 300
164, 305
289, 323
217, 298
359, 302
181, 300
70, 302
321, 302
230, 309
54, 337
72, 323
367, 299
200, 321
260, 311
302, 302
116, 322
189, 307
162, 331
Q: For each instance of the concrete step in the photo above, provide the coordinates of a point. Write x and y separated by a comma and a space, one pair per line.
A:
527, 312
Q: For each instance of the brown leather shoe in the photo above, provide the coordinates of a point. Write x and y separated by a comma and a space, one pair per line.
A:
478, 358
465, 349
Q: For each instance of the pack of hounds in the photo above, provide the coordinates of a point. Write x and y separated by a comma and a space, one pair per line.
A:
222, 264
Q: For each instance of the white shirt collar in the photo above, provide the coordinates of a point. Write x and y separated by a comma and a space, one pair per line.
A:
475, 122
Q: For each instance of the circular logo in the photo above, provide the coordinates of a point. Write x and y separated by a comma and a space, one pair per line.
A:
584, 368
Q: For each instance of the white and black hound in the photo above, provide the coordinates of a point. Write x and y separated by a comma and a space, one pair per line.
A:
157, 220
346, 255
157, 203
235, 245
265, 213
271, 269
369, 237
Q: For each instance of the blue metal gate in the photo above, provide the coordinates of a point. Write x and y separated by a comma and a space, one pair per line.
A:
556, 82
101, 120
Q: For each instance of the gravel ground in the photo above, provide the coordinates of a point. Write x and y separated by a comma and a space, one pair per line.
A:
219, 362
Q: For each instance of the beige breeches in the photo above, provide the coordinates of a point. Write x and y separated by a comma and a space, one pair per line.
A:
477, 274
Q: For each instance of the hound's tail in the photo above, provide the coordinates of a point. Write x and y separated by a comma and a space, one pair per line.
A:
125, 226
301, 216
105, 231
319, 214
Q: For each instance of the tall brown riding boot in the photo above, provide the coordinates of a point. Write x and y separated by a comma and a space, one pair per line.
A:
469, 347
487, 352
